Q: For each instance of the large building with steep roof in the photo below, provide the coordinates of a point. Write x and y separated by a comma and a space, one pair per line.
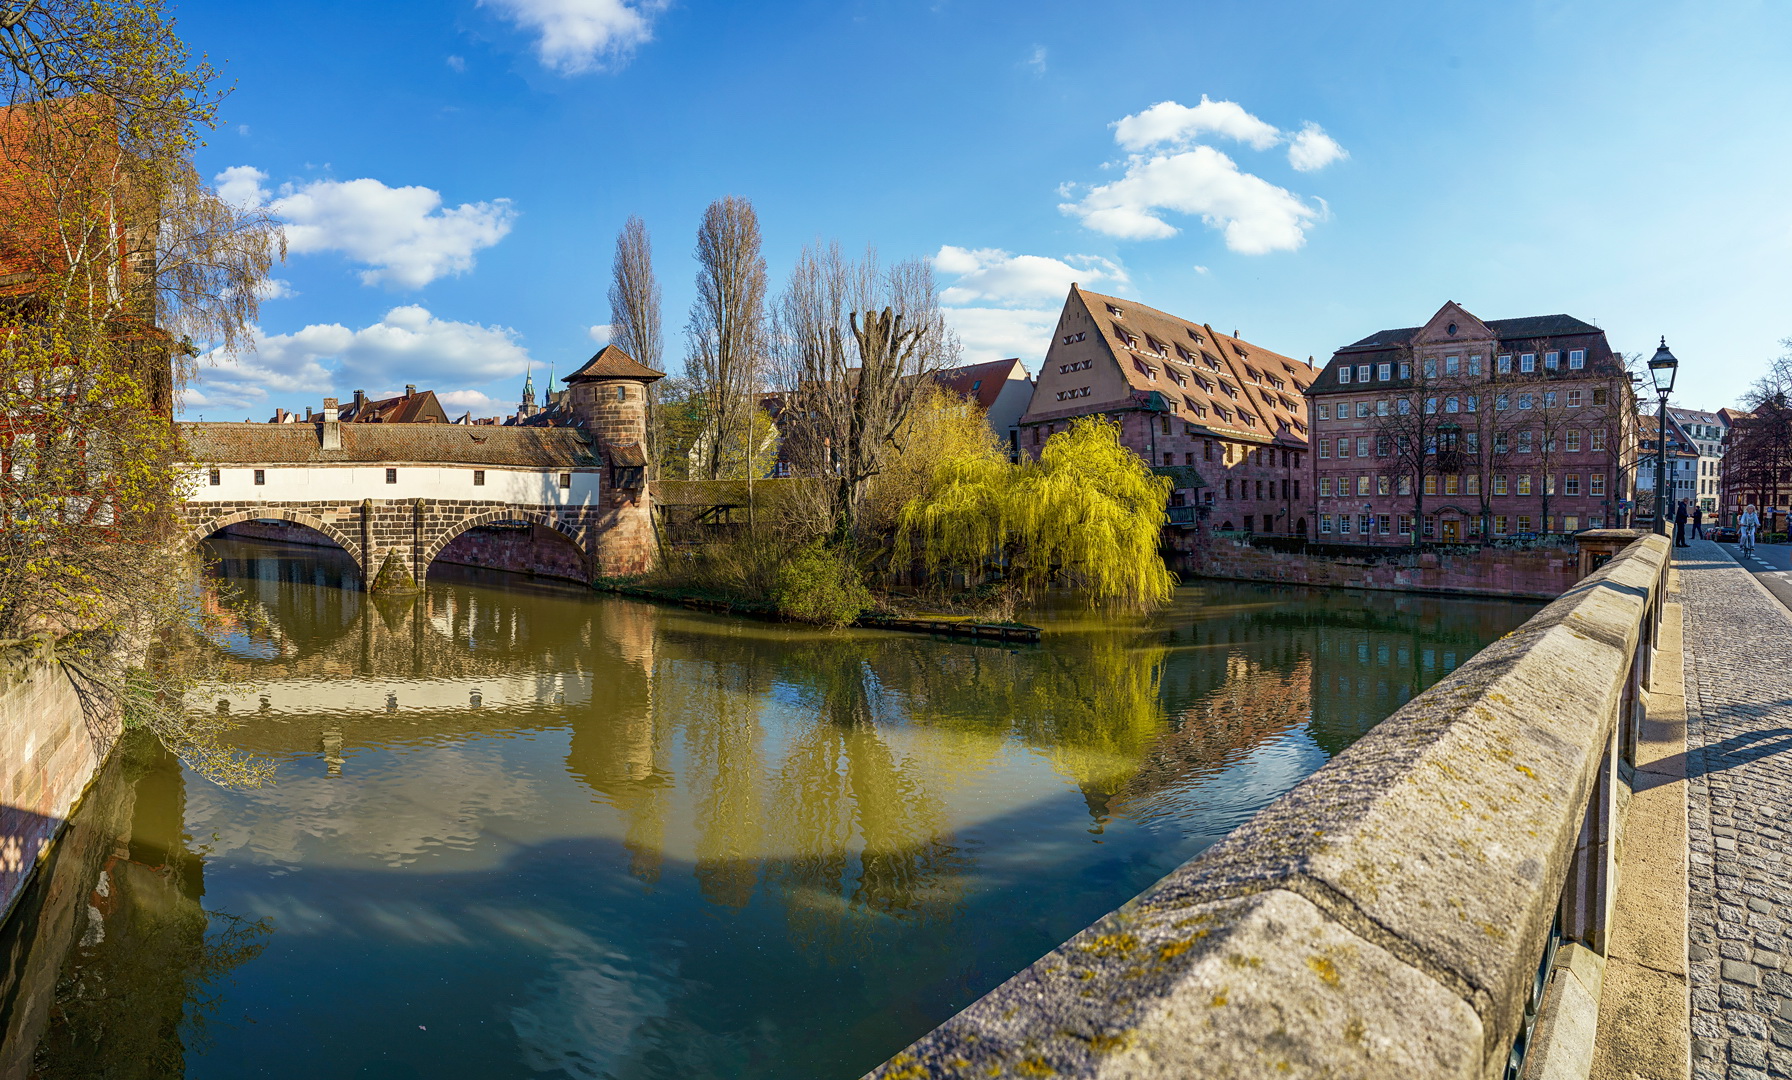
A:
1224, 418
1465, 429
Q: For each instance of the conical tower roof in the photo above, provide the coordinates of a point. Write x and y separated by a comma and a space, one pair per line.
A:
612, 363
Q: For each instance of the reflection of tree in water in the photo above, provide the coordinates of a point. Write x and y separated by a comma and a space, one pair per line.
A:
841, 778
138, 990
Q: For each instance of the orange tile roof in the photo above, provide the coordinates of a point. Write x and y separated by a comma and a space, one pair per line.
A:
611, 362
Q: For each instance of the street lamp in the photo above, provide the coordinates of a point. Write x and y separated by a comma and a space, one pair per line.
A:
1662, 369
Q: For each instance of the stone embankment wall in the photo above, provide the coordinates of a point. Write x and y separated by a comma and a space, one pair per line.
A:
1535, 573
1384, 919
536, 550
52, 743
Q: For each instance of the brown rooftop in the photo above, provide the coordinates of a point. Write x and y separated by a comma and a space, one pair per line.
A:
612, 363
458, 444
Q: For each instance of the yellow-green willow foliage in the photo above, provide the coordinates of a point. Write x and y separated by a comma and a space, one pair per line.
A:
1086, 516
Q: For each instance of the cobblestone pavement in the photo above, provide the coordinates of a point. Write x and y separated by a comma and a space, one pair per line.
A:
1739, 814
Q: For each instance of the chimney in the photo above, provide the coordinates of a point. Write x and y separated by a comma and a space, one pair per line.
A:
360, 402
330, 432
410, 389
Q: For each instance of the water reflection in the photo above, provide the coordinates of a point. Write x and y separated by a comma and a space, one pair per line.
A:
521, 831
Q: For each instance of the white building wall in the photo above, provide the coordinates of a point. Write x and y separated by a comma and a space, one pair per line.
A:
344, 483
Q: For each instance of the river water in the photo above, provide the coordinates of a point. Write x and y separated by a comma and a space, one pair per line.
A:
522, 830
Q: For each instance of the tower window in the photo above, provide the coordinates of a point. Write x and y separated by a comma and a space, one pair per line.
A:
216, 478
478, 477
261, 477
565, 481
622, 393
391, 476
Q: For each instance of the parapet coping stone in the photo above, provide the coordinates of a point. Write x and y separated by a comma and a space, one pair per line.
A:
1382, 919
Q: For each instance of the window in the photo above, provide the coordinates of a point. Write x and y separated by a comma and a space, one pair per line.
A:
1452, 484
1362, 485
1596, 484
261, 476
1072, 339
1526, 401
1501, 403
1503, 365
1431, 484
1452, 365
478, 477
391, 476
1577, 359
1549, 399
1296, 490
1598, 440
1344, 524
1430, 406
1365, 524
1571, 484
1406, 485
1362, 373
1382, 485
1344, 374
1524, 442
1343, 447
1381, 446
565, 481
1549, 484
1574, 399
1206, 449
1325, 449
1325, 412
1362, 446
1527, 362
1169, 458
1405, 524
1164, 424
1325, 523
1474, 365
1572, 442
1524, 484
1362, 410
1381, 407
1599, 395
216, 478
1571, 523
1451, 404
1431, 367
1188, 458
1524, 523
1259, 491
1430, 526
1471, 403
1552, 361
1325, 487
622, 393
1381, 524
1406, 369
1228, 489
1384, 372
1471, 441
1500, 522
1115, 312
1474, 484
1405, 407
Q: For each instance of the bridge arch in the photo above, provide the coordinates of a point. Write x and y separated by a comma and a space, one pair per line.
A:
274, 513
533, 517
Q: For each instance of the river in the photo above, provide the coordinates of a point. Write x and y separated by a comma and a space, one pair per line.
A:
518, 829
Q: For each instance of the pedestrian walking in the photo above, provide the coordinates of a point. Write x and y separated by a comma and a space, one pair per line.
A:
1680, 524
1698, 521
1746, 526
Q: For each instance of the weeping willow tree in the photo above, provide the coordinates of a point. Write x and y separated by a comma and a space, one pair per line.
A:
1086, 516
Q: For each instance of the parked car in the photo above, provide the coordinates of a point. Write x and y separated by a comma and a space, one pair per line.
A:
1723, 534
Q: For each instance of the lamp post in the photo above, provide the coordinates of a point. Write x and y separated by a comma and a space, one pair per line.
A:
1662, 369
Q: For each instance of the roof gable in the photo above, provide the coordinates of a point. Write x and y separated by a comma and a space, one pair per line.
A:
1452, 323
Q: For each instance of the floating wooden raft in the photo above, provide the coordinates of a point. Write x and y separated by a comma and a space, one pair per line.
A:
957, 628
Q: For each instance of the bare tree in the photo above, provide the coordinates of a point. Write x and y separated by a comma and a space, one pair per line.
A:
726, 334
635, 316
856, 344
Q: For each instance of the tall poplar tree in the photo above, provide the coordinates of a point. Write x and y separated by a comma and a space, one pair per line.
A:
726, 335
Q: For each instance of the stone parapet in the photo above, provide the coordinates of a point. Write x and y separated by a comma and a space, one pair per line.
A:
1383, 919
1531, 573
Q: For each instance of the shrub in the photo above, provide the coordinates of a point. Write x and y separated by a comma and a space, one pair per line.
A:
820, 584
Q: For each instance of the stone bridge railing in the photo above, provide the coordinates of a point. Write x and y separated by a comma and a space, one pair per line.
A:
1390, 915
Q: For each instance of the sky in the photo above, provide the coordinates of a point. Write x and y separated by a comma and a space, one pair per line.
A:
453, 175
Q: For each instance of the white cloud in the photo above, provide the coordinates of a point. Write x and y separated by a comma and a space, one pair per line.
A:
575, 36
1312, 149
991, 275
456, 402
988, 333
1176, 124
403, 235
601, 333
1255, 215
457, 64
408, 345
1037, 60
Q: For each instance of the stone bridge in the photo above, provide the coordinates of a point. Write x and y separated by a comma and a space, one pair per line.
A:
394, 496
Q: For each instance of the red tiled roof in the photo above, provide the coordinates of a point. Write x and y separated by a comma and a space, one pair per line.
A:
611, 362
459, 444
420, 408
981, 382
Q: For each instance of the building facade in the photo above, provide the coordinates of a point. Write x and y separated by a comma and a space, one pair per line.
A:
1464, 430
1224, 418
1707, 432
1684, 464
1001, 388
1758, 463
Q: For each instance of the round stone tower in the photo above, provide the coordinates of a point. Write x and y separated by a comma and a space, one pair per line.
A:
608, 398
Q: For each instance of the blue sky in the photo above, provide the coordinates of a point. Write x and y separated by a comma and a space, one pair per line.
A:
454, 174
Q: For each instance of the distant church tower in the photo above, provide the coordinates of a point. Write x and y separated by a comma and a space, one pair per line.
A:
527, 408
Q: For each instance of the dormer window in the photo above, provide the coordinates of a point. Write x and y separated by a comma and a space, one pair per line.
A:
1115, 312
1146, 370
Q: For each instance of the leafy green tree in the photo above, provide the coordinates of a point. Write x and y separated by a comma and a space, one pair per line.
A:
1086, 516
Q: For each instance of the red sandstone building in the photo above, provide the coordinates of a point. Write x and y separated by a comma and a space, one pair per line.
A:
1223, 417
1467, 430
